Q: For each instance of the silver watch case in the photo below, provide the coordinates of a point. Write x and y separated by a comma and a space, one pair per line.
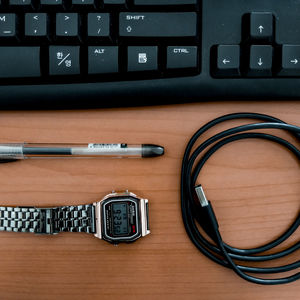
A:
143, 216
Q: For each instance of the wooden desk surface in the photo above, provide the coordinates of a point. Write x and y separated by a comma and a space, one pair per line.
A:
254, 187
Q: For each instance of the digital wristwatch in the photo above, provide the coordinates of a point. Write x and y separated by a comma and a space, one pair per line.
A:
118, 217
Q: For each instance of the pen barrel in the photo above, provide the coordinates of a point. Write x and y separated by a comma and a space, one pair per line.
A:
28, 150
81, 150
108, 150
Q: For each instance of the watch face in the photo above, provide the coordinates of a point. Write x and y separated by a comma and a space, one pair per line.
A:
121, 219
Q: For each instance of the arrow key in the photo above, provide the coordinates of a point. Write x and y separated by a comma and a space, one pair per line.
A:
261, 26
261, 61
290, 65
228, 61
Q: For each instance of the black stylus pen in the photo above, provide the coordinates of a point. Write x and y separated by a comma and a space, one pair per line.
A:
27, 150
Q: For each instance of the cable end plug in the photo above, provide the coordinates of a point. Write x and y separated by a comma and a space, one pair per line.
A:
207, 207
201, 195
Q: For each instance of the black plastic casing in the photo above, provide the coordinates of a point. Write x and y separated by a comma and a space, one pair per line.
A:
219, 22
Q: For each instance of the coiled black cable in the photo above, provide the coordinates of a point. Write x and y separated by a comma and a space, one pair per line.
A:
196, 208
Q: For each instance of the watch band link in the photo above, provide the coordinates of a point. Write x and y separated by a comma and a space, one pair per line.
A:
48, 220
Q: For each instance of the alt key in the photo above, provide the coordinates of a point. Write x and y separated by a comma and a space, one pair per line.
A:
103, 60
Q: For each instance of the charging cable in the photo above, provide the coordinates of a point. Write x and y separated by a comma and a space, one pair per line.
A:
197, 210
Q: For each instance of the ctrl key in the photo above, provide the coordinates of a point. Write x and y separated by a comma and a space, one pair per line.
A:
182, 57
227, 62
19, 62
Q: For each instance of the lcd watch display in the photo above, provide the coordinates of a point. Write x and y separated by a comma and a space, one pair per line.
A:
120, 218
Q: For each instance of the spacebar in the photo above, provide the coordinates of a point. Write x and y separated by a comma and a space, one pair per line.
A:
19, 62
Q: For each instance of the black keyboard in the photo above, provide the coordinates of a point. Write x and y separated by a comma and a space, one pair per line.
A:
105, 53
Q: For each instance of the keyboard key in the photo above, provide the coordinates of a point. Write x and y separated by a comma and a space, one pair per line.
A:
261, 25
142, 58
51, 2
7, 25
98, 25
158, 24
182, 57
19, 2
228, 60
164, 2
67, 24
19, 62
290, 60
36, 24
103, 60
261, 61
114, 1
64, 60
83, 2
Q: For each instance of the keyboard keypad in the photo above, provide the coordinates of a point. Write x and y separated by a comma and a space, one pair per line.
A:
258, 54
87, 39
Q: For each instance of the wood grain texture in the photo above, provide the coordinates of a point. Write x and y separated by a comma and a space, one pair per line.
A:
254, 187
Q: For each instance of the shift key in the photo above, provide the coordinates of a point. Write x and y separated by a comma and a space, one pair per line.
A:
182, 24
19, 62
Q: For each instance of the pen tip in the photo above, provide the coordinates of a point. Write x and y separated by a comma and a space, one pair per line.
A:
149, 150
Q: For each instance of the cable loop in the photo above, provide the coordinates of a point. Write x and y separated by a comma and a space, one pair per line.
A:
201, 212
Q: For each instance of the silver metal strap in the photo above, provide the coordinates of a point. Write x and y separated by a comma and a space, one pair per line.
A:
48, 220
